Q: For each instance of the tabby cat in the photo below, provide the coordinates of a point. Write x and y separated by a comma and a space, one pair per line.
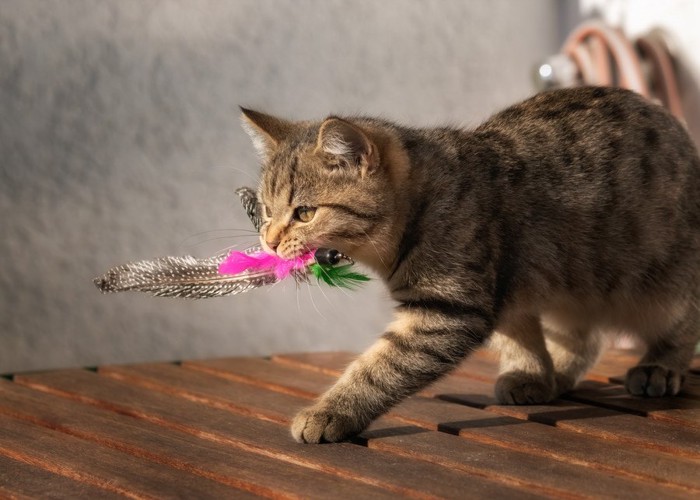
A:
573, 213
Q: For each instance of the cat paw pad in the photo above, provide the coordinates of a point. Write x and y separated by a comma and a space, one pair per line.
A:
653, 381
314, 425
518, 388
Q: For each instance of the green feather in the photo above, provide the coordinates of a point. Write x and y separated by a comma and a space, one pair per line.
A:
341, 276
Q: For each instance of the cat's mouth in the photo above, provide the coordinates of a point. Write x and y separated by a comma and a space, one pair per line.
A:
288, 249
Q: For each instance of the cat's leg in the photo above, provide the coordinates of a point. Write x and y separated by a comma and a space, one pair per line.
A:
661, 371
428, 339
574, 351
526, 369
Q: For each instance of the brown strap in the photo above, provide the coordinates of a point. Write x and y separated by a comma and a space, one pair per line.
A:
663, 77
621, 50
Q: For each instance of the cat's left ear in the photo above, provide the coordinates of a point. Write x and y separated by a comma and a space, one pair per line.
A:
349, 144
266, 131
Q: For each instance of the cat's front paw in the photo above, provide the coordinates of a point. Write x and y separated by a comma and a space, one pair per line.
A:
653, 381
319, 425
520, 388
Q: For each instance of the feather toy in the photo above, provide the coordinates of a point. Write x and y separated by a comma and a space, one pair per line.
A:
229, 273
341, 276
238, 262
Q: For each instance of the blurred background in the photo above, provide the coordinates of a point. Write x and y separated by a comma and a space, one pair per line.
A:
120, 141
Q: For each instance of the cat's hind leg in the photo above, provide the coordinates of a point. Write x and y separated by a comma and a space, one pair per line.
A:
574, 351
526, 369
661, 371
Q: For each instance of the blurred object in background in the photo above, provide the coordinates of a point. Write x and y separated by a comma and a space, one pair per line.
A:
597, 54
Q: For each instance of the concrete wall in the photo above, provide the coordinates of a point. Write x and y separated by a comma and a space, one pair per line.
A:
120, 140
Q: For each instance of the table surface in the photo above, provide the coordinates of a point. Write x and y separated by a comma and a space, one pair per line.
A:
219, 429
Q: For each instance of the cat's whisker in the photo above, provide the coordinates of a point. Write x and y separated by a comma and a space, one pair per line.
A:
376, 250
236, 234
241, 171
313, 302
209, 240
340, 288
223, 229
324, 295
236, 246
298, 302
228, 248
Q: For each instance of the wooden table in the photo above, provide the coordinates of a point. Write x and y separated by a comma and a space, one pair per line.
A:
219, 429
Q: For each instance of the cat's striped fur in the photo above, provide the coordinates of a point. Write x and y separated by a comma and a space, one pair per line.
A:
573, 213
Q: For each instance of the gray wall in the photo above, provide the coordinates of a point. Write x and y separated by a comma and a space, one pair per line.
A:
120, 140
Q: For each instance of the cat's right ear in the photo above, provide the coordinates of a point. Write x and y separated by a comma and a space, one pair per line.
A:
266, 131
349, 144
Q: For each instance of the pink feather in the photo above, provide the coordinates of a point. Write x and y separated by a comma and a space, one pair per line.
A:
239, 262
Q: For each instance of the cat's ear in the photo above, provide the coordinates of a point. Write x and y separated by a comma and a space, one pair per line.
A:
265, 131
349, 144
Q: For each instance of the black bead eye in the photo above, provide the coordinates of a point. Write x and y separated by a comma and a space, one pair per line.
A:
304, 214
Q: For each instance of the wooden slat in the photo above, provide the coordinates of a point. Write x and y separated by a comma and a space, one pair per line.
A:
99, 466
481, 365
199, 387
188, 420
614, 365
515, 467
285, 379
544, 441
549, 475
211, 390
330, 363
620, 360
676, 410
578, 448
611, 425
21, 480
623, 427
592, 421
690, 389
235, 467
395, 475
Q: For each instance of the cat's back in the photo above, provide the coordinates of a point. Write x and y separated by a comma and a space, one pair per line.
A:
593, 151
592, 126
598, 186
593, 190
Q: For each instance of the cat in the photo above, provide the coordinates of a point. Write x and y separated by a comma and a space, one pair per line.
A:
573, 213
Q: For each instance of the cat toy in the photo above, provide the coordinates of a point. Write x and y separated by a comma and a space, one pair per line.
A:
230, 273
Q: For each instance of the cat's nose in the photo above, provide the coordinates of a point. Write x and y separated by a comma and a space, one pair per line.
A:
272, 244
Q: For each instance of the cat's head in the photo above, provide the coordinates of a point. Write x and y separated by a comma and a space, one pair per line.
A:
324, 184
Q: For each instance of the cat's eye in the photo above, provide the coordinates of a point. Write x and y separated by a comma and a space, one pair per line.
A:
268, 213
304, 214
